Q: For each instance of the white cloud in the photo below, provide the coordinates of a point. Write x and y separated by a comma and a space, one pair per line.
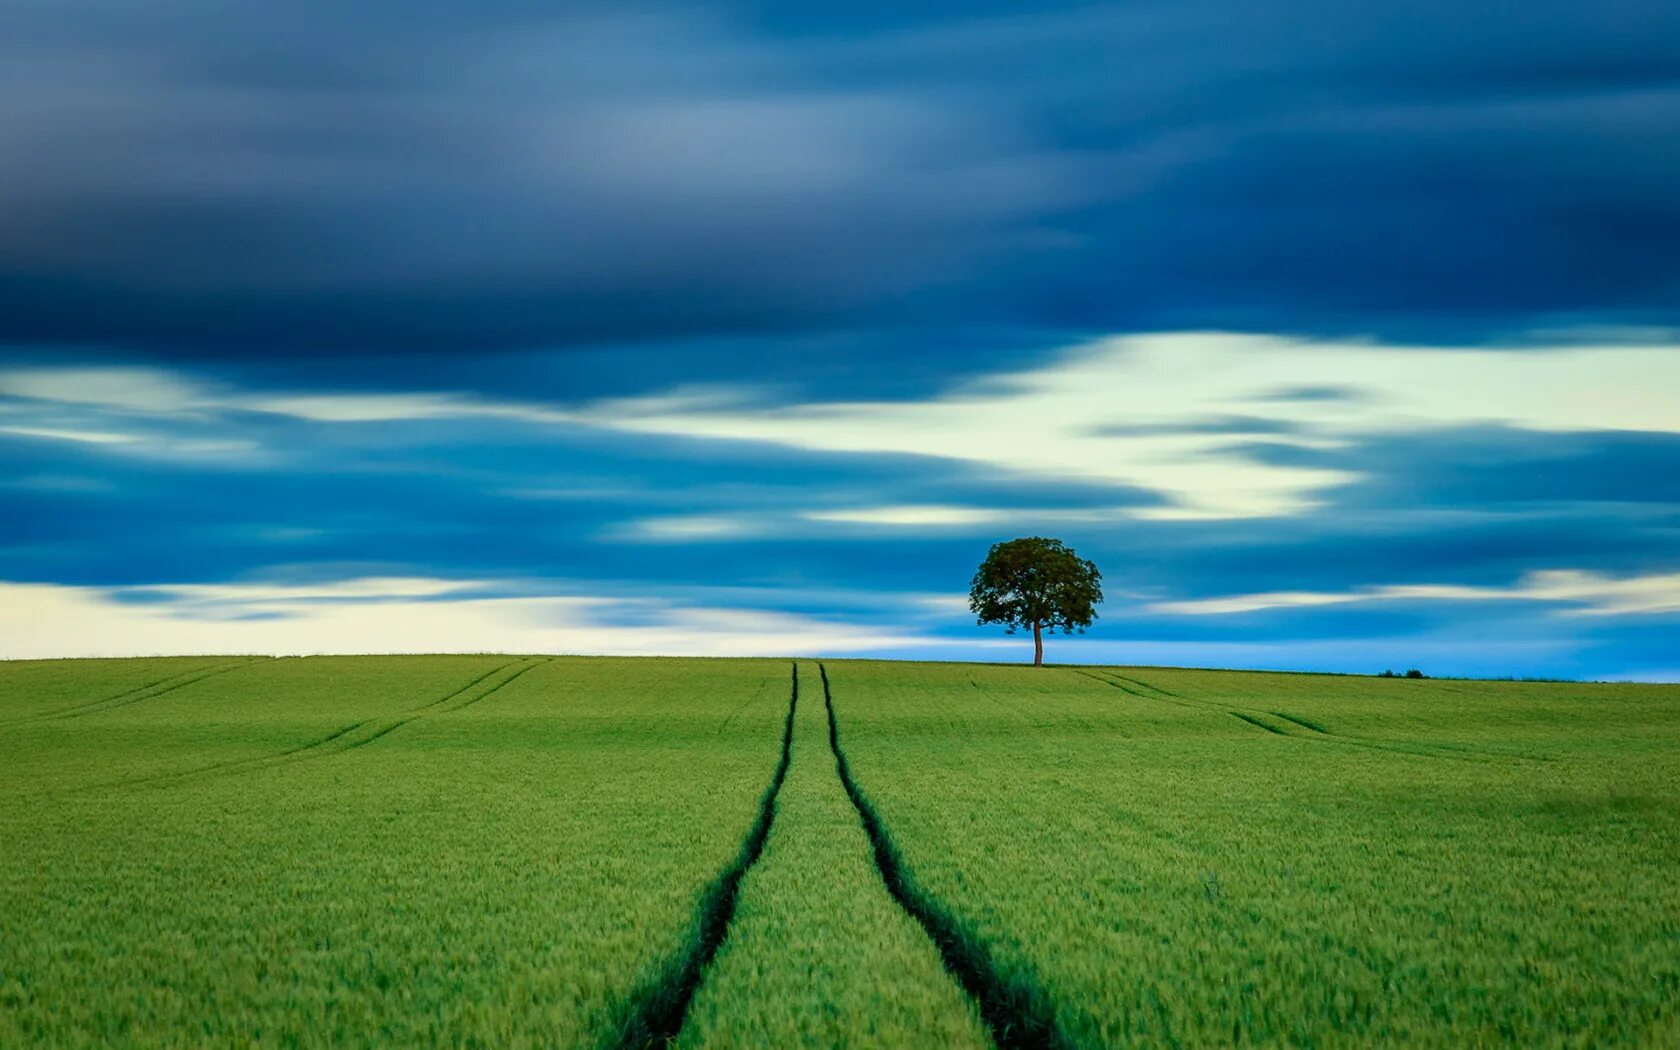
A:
1604, 595
946, 516
155, 413
140, 442
688, 528
160, 393
366, 588
138, 389
945, 605
384, 616
683, 528
389, 408
1241, 603
1169, 413
1176, 415
89, 437
127, 411
1582, 593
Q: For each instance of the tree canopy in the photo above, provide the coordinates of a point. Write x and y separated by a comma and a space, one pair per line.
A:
1036, 582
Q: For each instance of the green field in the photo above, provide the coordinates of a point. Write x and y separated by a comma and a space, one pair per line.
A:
604, 852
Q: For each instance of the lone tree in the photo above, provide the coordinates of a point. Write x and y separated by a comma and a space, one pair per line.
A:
1036, 582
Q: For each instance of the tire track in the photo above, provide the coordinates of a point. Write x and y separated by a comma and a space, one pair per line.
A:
329, 738
320, 747
1123, 688
1421, 749
1257, 723
1317, 733
445, 699
1179, 702
1015, 1008
316, 748
655, 1012
376, 734
498, 687
1302, 722
1146, 685
81, 704
135, 696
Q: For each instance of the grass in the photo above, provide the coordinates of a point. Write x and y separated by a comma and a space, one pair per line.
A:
498, 874
508, 851
659, 1008
1344, 862
819, 955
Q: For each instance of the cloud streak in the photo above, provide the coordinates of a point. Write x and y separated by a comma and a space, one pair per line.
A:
412, 615
1125, 411
1579, 593
1117, 412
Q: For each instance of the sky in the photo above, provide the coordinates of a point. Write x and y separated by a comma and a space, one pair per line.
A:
1341, 337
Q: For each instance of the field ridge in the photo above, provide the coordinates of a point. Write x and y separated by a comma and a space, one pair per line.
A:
1016, 1010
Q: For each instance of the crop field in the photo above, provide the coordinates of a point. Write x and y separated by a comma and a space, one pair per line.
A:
609, 852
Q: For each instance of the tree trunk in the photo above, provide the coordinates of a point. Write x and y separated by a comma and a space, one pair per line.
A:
1038, 644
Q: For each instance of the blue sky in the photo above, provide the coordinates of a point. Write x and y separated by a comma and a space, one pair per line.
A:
1340, 338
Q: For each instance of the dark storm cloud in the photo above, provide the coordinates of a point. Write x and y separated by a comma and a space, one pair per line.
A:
314, 179
392, 178
1435, 169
